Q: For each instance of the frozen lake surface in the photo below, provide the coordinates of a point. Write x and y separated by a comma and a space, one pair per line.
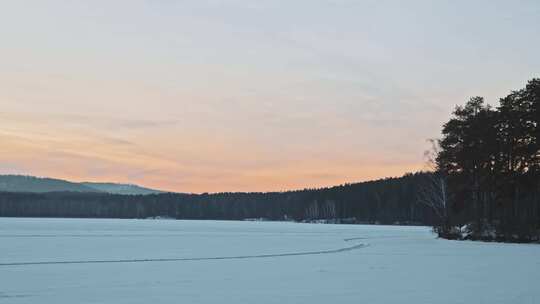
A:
167, 261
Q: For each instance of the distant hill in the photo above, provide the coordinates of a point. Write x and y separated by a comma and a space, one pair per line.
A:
127, 189
22, 183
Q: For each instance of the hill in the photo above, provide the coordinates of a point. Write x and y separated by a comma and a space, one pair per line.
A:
22, 183
125, 189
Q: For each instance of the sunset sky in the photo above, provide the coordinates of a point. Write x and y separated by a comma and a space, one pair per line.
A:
207, 96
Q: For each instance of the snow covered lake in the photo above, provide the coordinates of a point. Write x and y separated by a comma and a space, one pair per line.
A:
167, 261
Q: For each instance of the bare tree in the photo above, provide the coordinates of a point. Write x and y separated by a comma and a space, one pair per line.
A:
433, 191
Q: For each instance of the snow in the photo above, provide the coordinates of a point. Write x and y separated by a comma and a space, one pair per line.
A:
169, 261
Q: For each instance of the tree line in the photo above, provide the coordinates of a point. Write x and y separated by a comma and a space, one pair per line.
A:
386, 201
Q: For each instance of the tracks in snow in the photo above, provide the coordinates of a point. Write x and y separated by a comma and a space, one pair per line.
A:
238, 257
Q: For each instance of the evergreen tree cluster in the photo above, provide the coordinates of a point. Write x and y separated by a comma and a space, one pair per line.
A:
490, 157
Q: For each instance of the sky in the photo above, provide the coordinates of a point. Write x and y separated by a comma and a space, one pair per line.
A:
211, 96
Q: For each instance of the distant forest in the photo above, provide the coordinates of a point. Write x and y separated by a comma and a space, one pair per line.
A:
386, 201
